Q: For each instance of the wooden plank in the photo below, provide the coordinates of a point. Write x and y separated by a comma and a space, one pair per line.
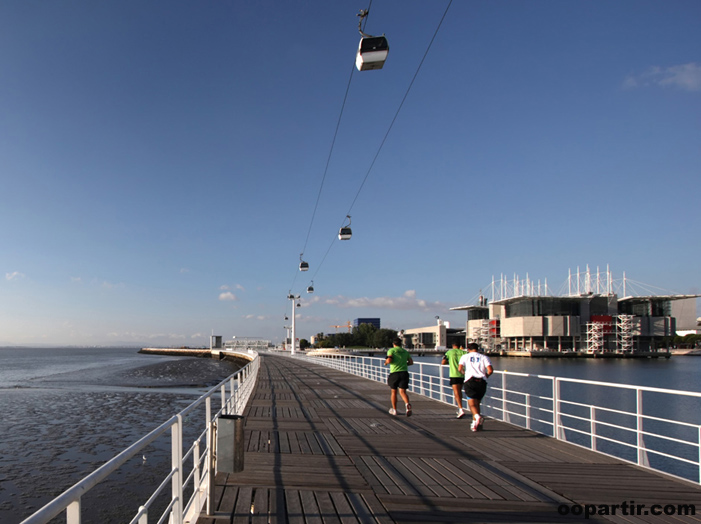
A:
396, 476
303, 444
228, 500
381, 475
284, 442
276, 505
261, 509
313, 444
312, 513
368, 504
424, 484
343, 508
466, 482
326, 508
295, 515
242, 511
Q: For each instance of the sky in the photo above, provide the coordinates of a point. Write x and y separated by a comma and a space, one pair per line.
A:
164, 164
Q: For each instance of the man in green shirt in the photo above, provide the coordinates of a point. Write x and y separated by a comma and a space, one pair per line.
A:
398, 360
457, 379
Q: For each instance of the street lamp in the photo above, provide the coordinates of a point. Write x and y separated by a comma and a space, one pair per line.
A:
294, 299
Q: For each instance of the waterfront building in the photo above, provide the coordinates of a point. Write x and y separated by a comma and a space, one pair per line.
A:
440, 335
373, 321
591, 318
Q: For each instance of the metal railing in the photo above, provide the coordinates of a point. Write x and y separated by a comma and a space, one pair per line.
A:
191, 471
654, 428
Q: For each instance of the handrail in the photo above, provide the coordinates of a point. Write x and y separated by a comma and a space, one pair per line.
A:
232, 402
558, 420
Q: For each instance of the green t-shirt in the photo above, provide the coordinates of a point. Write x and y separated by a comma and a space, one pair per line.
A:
453, 358
400, 359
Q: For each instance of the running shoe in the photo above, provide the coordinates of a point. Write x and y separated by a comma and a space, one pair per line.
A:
461, 413
392, 411
408, 410
476, 422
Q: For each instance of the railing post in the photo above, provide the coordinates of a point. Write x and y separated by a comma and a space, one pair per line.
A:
642, 453
699, 454
73, 512
197, 474
176, 514
223, 398
232, 398
528, 411
143, 519
504, 405
592, 426
556, 408
210, 455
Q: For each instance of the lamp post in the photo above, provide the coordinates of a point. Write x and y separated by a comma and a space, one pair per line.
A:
294, 299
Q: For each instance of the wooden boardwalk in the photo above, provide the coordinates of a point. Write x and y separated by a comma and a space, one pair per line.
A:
322, 448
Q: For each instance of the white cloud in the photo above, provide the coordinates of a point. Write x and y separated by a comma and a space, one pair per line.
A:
408, 301
240, 287
15, 275
224, 287
110, 285
184, 270
228, 296
76, 279
686, 77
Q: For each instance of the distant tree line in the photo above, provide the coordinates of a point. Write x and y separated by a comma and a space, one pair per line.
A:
365, 336
687, 341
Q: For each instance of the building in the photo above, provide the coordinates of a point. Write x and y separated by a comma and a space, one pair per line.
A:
591, 318
372, 321
438, 336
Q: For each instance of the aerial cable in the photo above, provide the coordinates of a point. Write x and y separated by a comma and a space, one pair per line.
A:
364, 13
384, 139
328, 160
406, 95
363, 18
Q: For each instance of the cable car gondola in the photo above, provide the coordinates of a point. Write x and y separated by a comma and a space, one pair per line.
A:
345, 232
310, 289
303, 266
372, 50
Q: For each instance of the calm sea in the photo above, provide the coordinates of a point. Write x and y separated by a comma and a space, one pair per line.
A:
680, 372
66, 411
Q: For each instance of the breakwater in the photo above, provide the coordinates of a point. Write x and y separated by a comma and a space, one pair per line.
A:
238, 357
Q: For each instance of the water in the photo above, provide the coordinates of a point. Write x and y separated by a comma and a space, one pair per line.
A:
67, 411
681, 372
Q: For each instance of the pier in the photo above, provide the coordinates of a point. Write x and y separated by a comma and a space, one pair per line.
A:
320, 446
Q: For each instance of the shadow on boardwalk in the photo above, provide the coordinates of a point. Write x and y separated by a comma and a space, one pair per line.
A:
322, 448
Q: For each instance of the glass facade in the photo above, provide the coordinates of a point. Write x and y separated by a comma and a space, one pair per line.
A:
648, 308
543, 306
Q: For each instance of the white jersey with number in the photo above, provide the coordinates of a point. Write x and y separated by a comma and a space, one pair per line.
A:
475, 364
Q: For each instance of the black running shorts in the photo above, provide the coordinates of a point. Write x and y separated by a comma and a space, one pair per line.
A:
457, 380
475, 388
398, 379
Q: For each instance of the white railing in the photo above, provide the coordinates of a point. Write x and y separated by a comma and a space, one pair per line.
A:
190, 472
652, 427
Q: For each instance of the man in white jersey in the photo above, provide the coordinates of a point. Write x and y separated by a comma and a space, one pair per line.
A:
476, 367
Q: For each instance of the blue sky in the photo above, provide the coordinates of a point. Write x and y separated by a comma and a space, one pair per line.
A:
160, 161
